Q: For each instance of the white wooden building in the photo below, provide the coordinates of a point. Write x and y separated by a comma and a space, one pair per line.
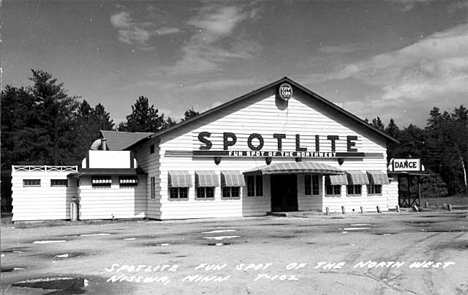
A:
42, 192
279, 148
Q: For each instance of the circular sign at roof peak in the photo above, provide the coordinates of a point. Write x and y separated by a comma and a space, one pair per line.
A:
285, 91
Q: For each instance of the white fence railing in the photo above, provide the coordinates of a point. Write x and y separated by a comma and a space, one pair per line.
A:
45, 168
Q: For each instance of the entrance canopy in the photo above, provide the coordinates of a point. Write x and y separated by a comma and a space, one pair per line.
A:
295, 168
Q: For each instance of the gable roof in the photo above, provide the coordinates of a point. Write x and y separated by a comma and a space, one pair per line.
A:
119, 140
255, 92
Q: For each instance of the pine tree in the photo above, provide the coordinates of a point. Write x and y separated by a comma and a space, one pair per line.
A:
144, 118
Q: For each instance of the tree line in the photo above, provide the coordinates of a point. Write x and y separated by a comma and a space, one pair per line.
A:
442, 146
42, 124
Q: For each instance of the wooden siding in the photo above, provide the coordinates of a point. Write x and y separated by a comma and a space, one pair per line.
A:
307, 202
150, 164
42, 202
260, 115
113, 202
217, 207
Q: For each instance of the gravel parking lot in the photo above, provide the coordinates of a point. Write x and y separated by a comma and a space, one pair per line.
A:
391, 253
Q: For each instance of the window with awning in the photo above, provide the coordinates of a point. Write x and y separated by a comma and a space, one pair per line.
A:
206, 179
357, 177
232, 178
338, 179
378, 177
231, 182
333, 184
180, 179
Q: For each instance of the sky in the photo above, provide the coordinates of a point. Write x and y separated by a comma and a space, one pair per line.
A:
389, 59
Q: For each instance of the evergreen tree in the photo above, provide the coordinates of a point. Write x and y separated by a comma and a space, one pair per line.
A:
377, 123
393, 131
18, 123
89, 122
55, 114
38, 123
144, 118
190, 113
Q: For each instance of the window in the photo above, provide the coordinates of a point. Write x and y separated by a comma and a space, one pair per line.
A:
332, 190
354, 190
31, 182
205, 192
231, 192
179, 183
128, 181
153, 188
312, 185
254, 185
178, 193
59, 182
152, 149
231, 182
101, 181
374, 189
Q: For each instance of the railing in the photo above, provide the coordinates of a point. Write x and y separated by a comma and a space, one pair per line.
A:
28, 168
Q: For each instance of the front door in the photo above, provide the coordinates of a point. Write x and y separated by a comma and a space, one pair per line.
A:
283, 192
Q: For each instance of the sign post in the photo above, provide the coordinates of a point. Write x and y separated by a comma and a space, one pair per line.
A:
408, 167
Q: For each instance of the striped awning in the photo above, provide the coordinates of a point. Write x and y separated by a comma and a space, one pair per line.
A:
232, 178
206, 179
295, 167
338, 179
180, 179
378, 177
357, 177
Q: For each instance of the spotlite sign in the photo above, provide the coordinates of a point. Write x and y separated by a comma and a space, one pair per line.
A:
405, 165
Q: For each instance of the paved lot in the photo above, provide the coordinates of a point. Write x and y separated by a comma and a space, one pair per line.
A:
406, 253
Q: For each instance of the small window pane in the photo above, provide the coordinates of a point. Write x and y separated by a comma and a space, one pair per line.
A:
259, 186
153, 188
315, 185
58, 182
226, 192
378, 189
235, 191
210, 192
200, 192
183, 192
337, 189
308, 184
31, 182
250, 186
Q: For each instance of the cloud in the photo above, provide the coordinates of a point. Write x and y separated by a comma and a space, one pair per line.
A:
213, 42
407, 5
455, 6
430, 72
341, 49
137, 33
436, 65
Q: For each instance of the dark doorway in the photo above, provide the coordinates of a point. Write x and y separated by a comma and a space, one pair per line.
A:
283, 192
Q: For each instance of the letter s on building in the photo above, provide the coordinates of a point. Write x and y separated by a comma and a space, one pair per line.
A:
202, 137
